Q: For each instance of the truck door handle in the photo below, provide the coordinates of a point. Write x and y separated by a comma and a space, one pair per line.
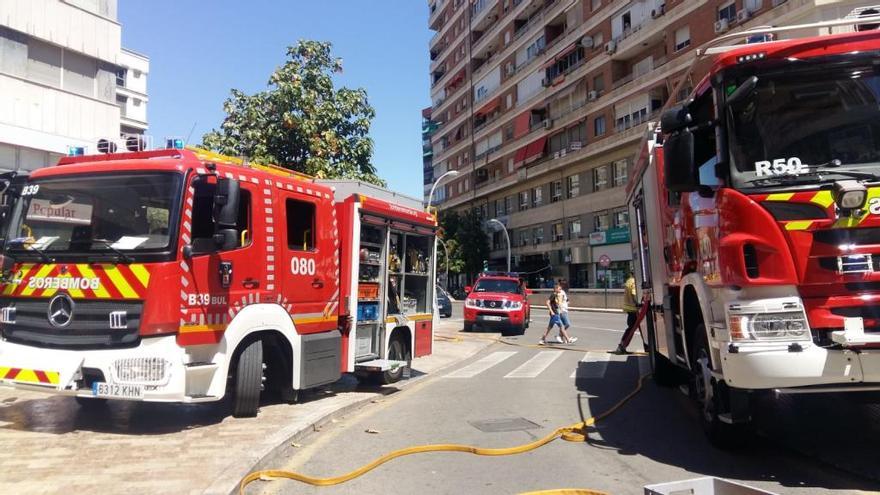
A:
250, 283
317, 283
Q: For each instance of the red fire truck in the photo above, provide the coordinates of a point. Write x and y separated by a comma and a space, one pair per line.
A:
757, 226
180, 275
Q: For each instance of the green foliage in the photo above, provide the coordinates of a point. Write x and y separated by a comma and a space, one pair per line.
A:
467, 241
302, 122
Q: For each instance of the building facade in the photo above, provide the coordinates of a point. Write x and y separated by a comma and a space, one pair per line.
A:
428, 128
541, 104
65, 80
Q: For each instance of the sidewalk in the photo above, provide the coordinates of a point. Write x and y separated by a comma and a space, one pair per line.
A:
49, 445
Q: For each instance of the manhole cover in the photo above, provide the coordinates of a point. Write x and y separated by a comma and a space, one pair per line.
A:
504, 424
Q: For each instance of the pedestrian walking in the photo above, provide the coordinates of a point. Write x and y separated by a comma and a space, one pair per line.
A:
555, 319
562, 301
631, 309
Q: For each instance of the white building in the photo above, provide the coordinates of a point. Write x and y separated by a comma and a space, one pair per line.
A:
65, 80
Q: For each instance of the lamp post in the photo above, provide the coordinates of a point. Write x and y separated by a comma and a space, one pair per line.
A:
506, 236
449, 173
445, 262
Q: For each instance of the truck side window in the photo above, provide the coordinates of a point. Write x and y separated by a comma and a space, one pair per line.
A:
203, 218
705, 152
300, 225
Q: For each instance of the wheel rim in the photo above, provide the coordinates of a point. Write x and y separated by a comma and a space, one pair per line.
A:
705, 390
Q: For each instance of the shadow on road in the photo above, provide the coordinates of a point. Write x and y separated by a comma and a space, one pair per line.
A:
663, 425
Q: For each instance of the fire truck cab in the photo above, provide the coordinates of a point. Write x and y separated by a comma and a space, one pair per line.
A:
757, 227
180, 275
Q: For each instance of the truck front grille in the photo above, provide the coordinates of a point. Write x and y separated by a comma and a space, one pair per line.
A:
89, 328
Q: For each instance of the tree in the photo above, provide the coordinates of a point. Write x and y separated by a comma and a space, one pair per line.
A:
301, 122
467, 241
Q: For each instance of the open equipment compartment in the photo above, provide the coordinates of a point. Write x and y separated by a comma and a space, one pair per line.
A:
370, 315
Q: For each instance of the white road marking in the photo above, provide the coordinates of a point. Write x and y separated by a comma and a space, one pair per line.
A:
597, 365
535, 366
480, 365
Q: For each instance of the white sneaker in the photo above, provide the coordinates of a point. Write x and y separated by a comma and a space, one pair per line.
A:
559, 339
572, 340
541, 342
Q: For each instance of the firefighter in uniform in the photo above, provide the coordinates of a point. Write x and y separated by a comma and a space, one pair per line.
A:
631, 308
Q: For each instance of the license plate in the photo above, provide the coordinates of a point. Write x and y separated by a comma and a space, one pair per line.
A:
493, 318
117, 391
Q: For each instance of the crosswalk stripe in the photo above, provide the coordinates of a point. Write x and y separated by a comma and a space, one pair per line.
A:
597, 365
535, 366
480, 365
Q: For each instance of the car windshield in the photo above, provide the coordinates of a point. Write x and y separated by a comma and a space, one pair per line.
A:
504, 286
807, 122
107, 213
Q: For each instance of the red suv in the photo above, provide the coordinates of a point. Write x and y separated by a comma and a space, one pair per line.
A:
497, 301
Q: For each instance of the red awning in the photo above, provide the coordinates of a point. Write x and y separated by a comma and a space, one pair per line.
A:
521, 124
535, 149
456, 79
564, 53
520, 155
489, 107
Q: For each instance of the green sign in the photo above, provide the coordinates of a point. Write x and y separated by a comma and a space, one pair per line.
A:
617, 235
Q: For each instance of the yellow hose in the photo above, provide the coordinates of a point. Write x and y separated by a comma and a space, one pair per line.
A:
576, 432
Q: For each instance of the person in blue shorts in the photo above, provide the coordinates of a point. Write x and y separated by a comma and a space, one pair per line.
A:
556, 318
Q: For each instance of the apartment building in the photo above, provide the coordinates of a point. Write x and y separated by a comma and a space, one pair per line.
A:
65, 80
540, 105
428, 128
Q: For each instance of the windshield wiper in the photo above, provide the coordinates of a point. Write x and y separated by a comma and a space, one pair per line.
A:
817, 171
109, 245
19, 243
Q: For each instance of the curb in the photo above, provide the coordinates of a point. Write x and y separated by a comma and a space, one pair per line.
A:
586, 310
227, 483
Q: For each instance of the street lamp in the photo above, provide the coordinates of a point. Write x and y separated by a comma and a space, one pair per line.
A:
450, 173
506, 236
445, 262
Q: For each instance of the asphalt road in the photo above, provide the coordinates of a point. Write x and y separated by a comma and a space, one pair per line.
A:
527, 392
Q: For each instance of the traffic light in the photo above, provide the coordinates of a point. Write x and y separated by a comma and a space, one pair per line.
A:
485, 265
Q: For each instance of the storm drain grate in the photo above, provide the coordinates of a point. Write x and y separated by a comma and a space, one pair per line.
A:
504, 424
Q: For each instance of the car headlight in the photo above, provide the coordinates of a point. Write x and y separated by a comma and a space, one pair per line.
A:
471, 303
769, 326
513, 304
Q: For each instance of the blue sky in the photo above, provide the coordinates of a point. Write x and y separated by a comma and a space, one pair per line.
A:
200, 50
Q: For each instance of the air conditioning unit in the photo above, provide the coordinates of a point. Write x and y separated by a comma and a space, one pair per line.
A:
547, 123
511, 69
610, 47
721, 26
562, 152
743, 15
555, 155
587, 42
654, 14
575, 145
592, 95
482, 173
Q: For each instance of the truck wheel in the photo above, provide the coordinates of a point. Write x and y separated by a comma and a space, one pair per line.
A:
91, 404
248, 381
395, 353
713, 398
663, 372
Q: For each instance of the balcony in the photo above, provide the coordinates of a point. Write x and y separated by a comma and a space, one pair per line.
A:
652, 30
483, 15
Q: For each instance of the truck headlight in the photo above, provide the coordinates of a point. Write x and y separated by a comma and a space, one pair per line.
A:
787, 326
513, 304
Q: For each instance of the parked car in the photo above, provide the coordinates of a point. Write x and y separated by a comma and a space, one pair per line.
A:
444, 305
497, 301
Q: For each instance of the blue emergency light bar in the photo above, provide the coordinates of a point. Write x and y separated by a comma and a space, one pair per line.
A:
174, 144
76, 150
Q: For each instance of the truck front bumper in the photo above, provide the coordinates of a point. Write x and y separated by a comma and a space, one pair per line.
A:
779, 366
156, 367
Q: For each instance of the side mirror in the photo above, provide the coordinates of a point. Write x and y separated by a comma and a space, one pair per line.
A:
467, 289
226, 199
675, 118
226, 239
679, 168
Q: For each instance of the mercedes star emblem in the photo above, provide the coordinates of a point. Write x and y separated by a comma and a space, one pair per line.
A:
60, 310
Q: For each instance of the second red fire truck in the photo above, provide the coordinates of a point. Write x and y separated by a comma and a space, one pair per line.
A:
757, 227
180, 275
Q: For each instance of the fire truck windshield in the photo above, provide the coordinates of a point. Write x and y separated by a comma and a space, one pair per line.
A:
96, 214
806, 122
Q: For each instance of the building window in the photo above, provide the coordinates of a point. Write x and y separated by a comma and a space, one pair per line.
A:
537, 197
574, 229
536, 48
728, 12
499, 207
600, 178
120, 77
620, 174
523, 200
599, 83
682, 38
600, 222
523, 237
574, 185
538, 235
555, 191
599, 125
621, 218
558, 234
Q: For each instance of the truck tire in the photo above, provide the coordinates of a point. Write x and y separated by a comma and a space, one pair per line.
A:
713, 398
663, 372
396, 352
248, 381
91, 404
